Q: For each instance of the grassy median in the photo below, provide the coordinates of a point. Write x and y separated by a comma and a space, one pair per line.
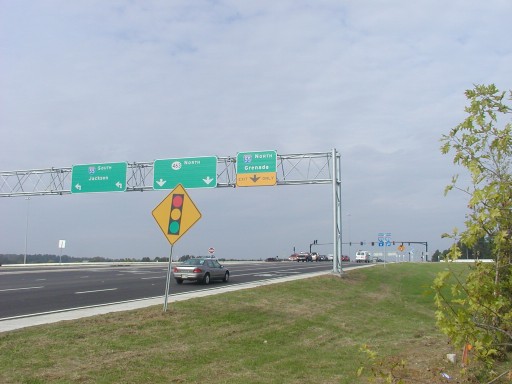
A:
305, 331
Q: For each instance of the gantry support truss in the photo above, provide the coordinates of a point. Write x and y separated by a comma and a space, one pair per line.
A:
292, 169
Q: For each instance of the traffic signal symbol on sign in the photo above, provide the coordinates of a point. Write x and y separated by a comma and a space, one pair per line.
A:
176, 214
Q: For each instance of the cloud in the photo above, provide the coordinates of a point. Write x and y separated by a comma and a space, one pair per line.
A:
86, 82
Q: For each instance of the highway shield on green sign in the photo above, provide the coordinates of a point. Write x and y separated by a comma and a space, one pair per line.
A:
191, 172
256, 162
104, 177
255, 169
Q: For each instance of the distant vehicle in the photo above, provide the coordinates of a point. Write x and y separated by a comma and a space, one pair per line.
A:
270, 259
293, 257
321, 258
304, 257
202, 270
330, 257
345, 258
363, 257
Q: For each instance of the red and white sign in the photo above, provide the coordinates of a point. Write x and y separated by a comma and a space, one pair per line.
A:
211, 250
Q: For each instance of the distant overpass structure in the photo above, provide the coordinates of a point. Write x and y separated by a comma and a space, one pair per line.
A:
245, 169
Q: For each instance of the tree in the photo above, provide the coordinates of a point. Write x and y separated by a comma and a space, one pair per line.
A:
185, 258
436, 256
477, 309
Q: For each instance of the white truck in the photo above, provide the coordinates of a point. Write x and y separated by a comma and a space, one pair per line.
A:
363, 257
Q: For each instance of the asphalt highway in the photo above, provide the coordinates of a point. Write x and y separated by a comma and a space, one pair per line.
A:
27, 291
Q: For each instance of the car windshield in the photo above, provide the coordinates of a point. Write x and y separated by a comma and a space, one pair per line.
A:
194, 262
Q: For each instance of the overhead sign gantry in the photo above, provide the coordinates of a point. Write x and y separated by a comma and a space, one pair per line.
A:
246, 169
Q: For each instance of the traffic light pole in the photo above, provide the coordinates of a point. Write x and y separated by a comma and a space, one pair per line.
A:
425, 243
315, 242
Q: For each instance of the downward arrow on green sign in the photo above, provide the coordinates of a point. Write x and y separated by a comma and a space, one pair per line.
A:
191, 172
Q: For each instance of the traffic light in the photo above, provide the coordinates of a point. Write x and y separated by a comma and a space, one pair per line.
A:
175, 214
373, 243
315, 242
393, 243
361, 243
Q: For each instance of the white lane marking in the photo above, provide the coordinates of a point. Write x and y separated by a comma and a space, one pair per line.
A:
156, 277
19, 289
263, 273
97, 290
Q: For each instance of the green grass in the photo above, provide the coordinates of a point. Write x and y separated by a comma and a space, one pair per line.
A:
305, 331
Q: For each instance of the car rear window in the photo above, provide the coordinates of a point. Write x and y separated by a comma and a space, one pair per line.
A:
194, 262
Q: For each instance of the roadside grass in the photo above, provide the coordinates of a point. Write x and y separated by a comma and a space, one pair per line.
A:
305, 331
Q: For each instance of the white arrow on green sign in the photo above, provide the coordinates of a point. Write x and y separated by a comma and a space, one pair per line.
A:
191, 172
104, 177
255, 169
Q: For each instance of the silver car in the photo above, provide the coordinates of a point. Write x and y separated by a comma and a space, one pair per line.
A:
201, 270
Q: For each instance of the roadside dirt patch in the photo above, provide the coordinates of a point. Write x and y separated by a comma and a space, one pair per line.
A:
421, 360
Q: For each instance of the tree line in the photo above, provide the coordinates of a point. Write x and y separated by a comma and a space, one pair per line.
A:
50, 258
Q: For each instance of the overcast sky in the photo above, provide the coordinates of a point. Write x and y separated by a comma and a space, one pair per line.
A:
106, 81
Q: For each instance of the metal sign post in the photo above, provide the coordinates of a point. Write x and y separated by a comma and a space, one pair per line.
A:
168, 281
62, 245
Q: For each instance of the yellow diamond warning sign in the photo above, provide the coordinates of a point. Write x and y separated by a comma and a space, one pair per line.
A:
176, 214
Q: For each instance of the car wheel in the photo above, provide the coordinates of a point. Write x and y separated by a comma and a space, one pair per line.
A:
226, 277
179, 281
206, 279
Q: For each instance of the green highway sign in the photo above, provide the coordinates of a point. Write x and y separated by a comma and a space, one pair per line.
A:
104, 177
255, 169
191, 172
